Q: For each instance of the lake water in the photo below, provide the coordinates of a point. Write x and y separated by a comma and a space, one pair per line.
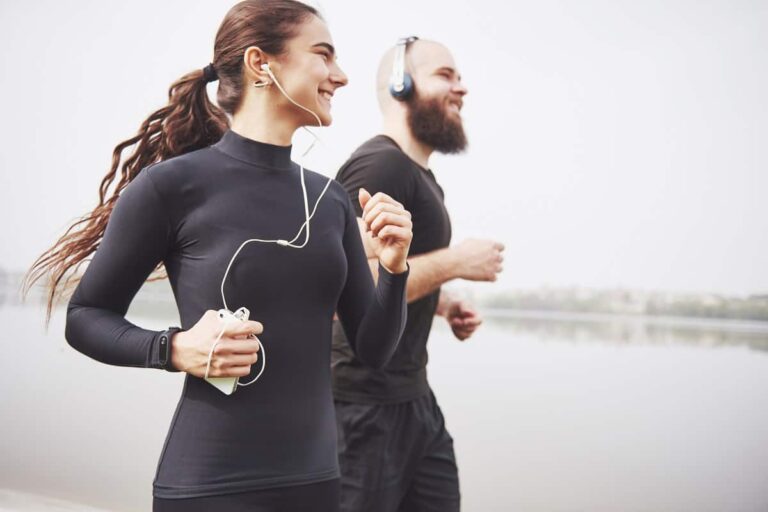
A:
548, 412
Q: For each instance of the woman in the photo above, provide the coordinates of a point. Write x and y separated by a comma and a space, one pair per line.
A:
271, 445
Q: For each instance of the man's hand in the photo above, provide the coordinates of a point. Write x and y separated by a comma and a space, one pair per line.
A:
479, 260
463, 319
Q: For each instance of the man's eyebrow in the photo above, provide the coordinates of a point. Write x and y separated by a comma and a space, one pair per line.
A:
449, 69
327, 46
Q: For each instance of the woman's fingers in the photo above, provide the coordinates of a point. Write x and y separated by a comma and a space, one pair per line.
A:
377, 198
234, 371
236, 329
389, 219
235, 360
381, 211
384, 207
240, 371
232, 356
237, 350
395, 233
237, 346
242, 360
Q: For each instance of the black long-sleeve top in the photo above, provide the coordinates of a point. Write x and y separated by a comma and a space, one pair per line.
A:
192, 212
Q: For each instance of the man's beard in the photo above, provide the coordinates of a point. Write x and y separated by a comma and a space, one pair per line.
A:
432, 125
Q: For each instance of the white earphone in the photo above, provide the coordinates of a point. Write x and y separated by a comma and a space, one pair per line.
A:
281, 242
266, 68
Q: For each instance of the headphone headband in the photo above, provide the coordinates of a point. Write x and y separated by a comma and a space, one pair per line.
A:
401, 83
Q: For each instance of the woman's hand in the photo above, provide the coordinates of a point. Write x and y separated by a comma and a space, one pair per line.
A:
236, 352
389, 229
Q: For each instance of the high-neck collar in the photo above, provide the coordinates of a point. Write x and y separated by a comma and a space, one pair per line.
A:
254, 152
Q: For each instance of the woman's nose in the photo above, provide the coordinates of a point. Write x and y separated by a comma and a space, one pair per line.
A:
338, 77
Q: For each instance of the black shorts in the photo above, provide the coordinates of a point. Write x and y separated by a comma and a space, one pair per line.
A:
316, 497
396, 458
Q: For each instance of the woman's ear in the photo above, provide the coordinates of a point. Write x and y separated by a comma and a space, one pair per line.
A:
253, 59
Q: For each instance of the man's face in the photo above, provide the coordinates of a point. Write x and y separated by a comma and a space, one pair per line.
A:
434, 111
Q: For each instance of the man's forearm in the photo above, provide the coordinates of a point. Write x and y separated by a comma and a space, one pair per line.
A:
428, 272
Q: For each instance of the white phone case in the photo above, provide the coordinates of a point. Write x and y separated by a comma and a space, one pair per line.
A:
228, 385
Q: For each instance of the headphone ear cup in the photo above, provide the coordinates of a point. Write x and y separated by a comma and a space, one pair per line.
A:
406, 91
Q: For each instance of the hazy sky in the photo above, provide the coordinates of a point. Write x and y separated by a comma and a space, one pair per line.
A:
612, 143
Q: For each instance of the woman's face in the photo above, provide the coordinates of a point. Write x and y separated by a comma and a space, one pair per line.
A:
309, 73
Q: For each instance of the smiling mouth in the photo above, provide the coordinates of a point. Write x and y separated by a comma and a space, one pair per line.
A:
326, 95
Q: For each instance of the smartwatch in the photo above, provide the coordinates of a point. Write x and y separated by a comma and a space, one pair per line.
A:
163, 352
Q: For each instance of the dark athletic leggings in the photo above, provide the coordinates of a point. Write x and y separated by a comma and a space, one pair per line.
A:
317, 497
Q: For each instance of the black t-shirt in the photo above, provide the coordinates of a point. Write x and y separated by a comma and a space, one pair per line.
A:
379, 165
192, 213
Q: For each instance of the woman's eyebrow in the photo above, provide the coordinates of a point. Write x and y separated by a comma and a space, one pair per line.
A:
327, 46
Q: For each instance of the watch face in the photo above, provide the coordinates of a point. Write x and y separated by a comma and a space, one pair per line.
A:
164, 349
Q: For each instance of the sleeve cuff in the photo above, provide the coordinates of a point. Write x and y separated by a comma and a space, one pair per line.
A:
394, 277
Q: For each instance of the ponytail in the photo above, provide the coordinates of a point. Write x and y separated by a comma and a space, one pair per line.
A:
188, 122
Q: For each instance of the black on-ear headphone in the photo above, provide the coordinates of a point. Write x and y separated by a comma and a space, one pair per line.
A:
401, 82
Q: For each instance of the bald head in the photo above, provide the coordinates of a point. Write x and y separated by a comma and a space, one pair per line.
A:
422, 58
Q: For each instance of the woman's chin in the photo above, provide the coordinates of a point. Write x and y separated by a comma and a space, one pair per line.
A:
322, 113
325, 116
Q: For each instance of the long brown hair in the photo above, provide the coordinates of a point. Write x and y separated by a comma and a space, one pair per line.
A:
188, 122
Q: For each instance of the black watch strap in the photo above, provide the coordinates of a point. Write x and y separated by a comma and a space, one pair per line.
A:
161, 350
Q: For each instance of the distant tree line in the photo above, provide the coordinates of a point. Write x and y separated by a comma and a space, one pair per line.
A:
577, 300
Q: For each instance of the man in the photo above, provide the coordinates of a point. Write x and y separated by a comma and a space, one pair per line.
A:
394, 450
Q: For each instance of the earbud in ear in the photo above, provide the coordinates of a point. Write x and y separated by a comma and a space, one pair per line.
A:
264, 67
